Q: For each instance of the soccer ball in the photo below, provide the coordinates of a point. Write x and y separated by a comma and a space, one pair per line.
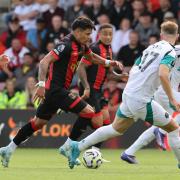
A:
92, 159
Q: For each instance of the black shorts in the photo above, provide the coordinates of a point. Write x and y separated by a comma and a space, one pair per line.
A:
60, 98
96, 99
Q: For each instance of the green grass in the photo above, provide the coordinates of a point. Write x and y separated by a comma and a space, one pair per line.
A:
46, 164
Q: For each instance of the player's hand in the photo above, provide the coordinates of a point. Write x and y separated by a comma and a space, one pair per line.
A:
116, 64
4, 60
39, 95
175, 105
86, 93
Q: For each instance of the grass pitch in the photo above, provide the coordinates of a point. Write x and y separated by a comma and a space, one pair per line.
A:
47, 164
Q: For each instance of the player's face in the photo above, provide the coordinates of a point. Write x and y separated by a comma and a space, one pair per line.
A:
84, 36
105, 35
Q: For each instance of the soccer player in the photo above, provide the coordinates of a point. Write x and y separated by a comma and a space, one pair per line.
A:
92, 77
153, 132
54, 93
150, 70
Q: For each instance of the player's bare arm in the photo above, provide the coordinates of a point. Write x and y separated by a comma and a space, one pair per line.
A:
43, 69
96, 59
164, 77
83, 78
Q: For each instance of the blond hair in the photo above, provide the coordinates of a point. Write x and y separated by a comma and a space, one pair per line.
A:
169, 28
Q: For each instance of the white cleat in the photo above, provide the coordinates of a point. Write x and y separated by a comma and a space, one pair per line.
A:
5, 154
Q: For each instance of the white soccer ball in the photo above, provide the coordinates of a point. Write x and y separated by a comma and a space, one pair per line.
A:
92, 159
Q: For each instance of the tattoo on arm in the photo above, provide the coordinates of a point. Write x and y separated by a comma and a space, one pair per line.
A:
43, 67
83, 75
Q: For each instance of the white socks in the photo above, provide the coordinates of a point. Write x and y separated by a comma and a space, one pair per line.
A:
67, 142
174, 142
101, 134
144, 139
12, 146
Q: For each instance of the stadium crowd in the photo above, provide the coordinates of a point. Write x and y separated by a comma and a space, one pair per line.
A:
34, 27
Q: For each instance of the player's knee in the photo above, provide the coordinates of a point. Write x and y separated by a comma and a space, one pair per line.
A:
89, 109
38, 123
87, 112
97, 120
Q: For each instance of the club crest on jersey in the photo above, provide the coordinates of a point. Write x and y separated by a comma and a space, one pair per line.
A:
61, 47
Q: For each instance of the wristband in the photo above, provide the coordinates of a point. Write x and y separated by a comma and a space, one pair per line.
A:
107, 62
41, 83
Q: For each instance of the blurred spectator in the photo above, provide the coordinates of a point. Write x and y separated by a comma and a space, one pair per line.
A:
30, 91
146, 27
57, 32
119, 10
95, 10
16, 53
49, 46
11, 98
2, 48
153, 39
14, 31
53, 10
152, 5
102, 19
73, 12
27, 13
28, 69
121, 36
169, 16
136, 15
138, 8
43, 6
165, 6
66, 3
36, 37
138, 5
129, 53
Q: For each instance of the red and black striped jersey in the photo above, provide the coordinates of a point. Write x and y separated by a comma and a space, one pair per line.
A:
96, 74
68, 55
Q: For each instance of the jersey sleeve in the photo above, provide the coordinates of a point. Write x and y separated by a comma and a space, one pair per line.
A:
177, 49
88, 50
169, 59
60, 51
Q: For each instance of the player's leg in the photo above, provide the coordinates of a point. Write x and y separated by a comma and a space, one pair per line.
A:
23, 134
144, 139
44, 113
165, 121
75, 104
118, 127
81, 123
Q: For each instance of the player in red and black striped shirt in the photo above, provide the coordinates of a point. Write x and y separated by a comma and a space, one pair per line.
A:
92, 77
54, 93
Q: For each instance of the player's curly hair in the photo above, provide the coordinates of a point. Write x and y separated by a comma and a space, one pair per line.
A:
83, 23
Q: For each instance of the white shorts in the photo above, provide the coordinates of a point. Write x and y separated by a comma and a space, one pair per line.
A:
151, 112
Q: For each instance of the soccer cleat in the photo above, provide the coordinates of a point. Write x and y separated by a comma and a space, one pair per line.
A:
5, 154
129, 158
64, 151
73, 153
160, 139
